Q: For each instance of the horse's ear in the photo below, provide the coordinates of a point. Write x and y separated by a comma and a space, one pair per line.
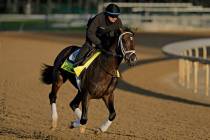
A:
134, 29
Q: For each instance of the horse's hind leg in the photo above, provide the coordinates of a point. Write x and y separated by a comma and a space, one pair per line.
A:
109, 101
75, 107
57, 82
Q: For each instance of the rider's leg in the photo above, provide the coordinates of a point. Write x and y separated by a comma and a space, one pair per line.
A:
82, 53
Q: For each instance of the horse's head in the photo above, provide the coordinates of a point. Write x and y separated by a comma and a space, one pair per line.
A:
126, 46
123, 39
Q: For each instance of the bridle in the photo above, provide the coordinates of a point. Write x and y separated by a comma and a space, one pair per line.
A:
120, 44
124, 53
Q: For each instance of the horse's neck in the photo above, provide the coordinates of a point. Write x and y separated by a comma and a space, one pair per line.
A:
111, 62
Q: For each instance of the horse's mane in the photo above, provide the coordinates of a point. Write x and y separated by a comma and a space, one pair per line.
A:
108, 40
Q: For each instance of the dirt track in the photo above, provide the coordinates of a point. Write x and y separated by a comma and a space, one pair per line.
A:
149, 105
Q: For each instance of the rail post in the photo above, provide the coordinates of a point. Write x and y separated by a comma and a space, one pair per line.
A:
207, 79
182, 71
207, 72
196, 67
188, 69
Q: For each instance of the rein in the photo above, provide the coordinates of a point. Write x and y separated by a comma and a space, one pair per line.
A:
110, 53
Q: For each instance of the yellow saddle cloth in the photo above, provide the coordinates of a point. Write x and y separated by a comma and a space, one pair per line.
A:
68, 66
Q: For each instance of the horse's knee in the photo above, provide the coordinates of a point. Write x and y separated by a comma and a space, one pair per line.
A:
73, 106
112, 116
52, 98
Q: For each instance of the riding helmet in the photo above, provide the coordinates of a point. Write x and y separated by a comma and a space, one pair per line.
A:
112, 10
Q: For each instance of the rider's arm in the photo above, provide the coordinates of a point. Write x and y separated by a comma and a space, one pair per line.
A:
91, 32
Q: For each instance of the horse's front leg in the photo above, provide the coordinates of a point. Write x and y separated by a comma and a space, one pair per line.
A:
75, 107
84, 117
57, 82
109, 101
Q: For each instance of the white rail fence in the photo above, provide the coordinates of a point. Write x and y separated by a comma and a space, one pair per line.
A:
192, 56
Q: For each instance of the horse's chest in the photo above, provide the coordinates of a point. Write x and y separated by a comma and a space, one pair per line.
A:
101, 88
98, 82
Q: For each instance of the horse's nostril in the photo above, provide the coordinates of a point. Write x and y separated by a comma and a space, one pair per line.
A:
134, 59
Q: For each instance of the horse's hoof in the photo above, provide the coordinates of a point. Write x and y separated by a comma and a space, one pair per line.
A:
54, 124
71, 126
52, 128
75, 124
82, 129
97, 131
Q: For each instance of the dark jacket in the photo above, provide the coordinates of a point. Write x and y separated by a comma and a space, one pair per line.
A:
100, 20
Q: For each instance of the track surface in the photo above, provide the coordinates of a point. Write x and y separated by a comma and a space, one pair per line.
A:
149, 103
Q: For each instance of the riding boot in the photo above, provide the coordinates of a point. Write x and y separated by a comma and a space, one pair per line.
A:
81, 56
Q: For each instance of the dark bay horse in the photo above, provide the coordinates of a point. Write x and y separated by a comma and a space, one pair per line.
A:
98, 81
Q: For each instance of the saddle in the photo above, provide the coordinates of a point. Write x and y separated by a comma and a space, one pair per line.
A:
88, 56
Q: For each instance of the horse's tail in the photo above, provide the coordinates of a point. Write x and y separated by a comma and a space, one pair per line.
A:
47, 74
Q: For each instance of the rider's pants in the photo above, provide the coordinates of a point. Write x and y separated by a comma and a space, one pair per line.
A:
82, 54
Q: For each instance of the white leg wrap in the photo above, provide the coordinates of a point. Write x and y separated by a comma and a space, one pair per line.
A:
54, 112
105, 125
78, 113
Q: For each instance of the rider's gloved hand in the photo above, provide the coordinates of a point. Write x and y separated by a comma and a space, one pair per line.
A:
99, 46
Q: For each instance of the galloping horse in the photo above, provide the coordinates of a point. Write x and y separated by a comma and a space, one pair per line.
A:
97, 81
